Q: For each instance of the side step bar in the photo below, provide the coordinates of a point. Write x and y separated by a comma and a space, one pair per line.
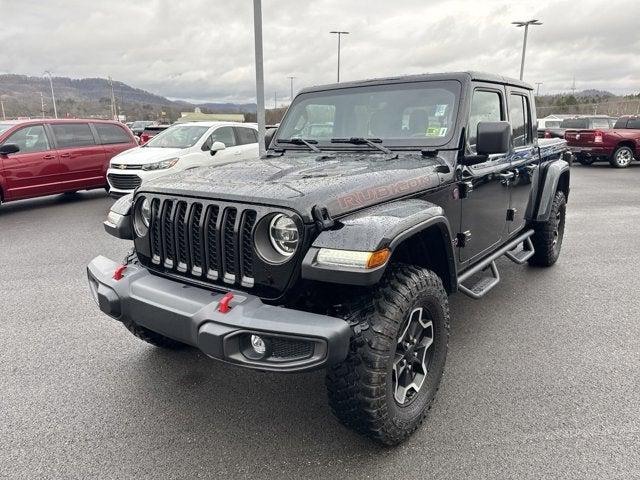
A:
485, 284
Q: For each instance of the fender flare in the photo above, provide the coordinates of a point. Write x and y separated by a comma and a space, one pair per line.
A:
553, 172
381, 226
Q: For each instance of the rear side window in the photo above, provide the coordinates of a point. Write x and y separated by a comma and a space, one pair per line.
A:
634, 123
602, 123
69, 135
30, 139
486, 106
520, 117
110, 133
246, 136
621, 123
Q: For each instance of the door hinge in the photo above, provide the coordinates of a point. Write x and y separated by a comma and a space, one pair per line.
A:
463, 239
511, 214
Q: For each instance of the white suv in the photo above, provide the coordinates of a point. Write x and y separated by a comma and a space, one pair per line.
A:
182, 147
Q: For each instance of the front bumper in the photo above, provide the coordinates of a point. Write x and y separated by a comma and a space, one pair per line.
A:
296, 340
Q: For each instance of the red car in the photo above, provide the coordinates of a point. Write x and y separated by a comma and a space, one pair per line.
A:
619, 146
44, 157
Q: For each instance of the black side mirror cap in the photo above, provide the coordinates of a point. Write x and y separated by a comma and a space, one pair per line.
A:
493, 138
9, 148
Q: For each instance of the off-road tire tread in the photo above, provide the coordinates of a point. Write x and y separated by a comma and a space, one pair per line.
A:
356, 387
542, 237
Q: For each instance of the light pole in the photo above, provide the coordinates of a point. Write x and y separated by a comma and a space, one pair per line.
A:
53, 97
339, 36
291, 97
524, 44
538, 88
4, 117
257, 33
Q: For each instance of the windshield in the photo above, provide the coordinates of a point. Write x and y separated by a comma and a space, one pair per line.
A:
404, 114
4, 127
182, 136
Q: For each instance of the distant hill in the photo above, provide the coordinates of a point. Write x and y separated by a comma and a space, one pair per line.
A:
91, 97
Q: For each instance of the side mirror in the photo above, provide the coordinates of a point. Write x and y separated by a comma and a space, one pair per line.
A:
9, 148
493, 138
216, 147
268, 136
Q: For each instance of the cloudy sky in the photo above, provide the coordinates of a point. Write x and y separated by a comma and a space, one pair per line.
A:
203, 49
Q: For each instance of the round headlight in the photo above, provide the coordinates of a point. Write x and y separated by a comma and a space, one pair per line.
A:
142, 217
283, 234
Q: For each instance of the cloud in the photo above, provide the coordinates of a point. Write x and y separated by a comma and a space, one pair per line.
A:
203, 49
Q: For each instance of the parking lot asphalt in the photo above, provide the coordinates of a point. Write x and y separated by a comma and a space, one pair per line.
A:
542, 378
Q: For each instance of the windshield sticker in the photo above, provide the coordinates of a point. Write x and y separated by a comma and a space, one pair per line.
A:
440, 110
437, 132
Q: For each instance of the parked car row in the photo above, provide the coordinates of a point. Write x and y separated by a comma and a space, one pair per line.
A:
45, 157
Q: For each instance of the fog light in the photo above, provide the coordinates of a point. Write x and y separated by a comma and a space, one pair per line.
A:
258, 345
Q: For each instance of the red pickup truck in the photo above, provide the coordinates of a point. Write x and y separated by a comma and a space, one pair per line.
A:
619, 146
46, 156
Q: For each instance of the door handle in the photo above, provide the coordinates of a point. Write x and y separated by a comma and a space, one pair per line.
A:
48, 157
508, 176
65, 155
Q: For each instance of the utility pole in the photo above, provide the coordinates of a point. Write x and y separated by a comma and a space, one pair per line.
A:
4, 117
53, 97
291, 97
524, 44
42, 103
339, 33
573, 86
275, 100
257, 33
114, 112
538, 88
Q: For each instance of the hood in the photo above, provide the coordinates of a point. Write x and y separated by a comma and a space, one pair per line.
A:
144, 155
342, 182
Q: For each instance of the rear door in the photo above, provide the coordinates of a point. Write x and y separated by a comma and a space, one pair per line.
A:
247, 142
82, 158
34, 170
524, 158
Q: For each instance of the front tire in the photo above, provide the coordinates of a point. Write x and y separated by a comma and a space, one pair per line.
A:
586, 161
387, 384
547, 237
622, 157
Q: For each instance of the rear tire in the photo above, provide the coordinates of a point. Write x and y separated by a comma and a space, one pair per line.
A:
622, 157
586, 161
547, 237
387, 384
143, 333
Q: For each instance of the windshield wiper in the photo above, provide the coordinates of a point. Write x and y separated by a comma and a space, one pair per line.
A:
372, 142
301, 141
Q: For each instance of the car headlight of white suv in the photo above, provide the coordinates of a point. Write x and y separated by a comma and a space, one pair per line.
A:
161, 165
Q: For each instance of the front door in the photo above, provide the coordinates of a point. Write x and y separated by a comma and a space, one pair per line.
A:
34, 170
484, 190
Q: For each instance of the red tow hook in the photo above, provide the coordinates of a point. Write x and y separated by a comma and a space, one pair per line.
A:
223, 305
119, 272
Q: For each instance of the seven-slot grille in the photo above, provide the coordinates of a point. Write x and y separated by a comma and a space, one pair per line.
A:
206, 241
124, 182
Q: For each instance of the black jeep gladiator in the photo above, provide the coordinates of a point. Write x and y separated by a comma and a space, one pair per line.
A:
339, 248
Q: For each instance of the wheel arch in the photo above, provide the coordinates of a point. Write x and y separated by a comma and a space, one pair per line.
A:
627, 143
557, 176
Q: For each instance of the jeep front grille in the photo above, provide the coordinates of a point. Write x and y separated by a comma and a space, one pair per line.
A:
209, 242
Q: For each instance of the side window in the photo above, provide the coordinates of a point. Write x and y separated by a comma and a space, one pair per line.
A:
245, 135
486, 106
633, 123
69, 135
224, 135
520, 117
110, 133
30, 139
